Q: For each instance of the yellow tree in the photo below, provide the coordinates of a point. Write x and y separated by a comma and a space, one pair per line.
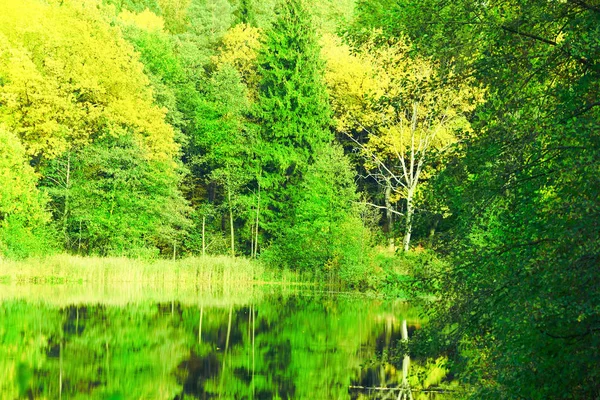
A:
175, 14
68, 76
75, 94
406, 113
239, 48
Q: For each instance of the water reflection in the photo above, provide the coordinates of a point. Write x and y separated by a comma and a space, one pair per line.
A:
294, 345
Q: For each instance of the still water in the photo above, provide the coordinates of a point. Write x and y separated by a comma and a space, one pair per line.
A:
258, 342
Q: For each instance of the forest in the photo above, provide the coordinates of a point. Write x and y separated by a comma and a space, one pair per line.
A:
445, 150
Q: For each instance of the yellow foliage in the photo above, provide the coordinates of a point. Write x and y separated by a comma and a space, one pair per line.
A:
68, 76
375, 88
239, 48
175, 14
352, 81
145, 20
402, 105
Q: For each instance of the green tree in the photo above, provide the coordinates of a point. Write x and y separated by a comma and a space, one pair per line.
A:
256, 13
24, 220
327, 234
292, 112
209, 20
120, 203
219, 149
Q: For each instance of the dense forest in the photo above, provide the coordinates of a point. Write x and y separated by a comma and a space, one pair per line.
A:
459, 138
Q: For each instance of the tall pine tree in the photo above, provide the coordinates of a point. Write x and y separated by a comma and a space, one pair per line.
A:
293, 113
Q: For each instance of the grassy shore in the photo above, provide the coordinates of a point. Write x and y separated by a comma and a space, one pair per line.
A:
77, 279
61, 269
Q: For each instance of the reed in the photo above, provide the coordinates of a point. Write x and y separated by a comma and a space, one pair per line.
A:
68, 269
74, 279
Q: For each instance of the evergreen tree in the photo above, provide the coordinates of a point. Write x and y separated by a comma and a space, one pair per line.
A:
256, 13
326, 231
292, 112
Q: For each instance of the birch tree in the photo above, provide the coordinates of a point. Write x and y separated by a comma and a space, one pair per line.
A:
397, 158
399, 114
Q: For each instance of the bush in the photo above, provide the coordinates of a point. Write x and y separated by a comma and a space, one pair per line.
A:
19, 241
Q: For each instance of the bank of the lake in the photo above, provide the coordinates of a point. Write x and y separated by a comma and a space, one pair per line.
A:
58, 269
387, 273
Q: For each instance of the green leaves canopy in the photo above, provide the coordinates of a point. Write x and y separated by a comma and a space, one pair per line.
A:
521, 297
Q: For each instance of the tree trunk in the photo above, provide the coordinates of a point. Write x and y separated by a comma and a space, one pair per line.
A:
66, 207
252, 239
79, 245
409, 219
203, 238
257, 225
231, 223
389, 215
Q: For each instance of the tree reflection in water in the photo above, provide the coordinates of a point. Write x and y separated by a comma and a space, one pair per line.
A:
282, 346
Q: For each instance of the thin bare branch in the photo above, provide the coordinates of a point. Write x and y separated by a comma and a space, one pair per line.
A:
381, 165
383, 208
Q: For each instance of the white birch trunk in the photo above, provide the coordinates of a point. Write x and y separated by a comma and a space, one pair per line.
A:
410, 211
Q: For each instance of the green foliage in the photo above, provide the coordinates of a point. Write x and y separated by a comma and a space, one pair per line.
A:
209, 20
518, 303
256, 13
135, 5
121, 203
292, 111
220, 147
173, 87
24, 220
326, 235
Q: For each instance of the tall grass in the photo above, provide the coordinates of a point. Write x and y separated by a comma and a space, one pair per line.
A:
61, 269
75, 279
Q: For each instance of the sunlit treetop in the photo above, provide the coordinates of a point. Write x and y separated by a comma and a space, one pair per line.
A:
239, 48
145, 20
375, 87
69, 77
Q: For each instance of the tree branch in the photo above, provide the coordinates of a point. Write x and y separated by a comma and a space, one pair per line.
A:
528, 35
382, 207
586, 109
583, 4
582, 60
381, 165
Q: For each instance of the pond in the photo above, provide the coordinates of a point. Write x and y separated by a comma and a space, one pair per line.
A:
251, 342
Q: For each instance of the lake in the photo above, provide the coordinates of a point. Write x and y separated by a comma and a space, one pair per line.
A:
249, 342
